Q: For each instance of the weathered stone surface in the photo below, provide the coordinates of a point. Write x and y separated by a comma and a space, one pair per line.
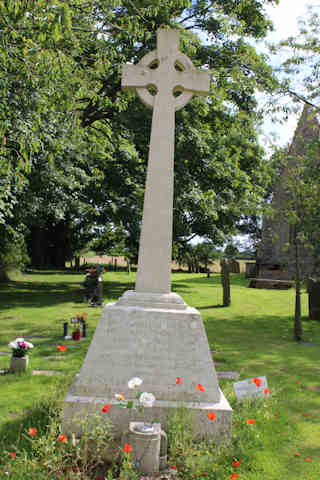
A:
270, 284
229, 375
272, 257
157, 345
154, 265
313, 288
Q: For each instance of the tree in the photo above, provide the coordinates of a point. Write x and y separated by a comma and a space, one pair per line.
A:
71, 112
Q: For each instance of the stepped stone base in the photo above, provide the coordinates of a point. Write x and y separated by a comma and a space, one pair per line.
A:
144, 335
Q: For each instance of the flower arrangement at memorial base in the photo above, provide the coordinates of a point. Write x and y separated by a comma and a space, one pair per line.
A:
20, 358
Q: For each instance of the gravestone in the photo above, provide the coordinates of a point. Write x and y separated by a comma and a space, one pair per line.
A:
151, 332
313, 289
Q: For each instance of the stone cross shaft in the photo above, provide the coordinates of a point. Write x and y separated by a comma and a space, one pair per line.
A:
165, 80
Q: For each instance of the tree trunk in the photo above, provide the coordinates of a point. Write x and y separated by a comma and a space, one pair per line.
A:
77, 262
297, 312
39, 247
225, 280
129, 266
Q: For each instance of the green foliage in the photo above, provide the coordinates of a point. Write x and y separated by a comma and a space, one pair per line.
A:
74, 147
180, 433
13, 254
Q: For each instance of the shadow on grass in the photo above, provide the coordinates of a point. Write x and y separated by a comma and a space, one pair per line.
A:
40, 294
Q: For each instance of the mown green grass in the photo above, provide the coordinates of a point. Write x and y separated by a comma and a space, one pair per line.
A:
253, 336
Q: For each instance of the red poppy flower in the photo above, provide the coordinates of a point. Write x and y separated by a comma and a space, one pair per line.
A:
62, 438
200, 387
308, 459
32, 431
12, 455
305, 414
178, 381
298, 382
173, 467
204, 474
236, 463
250, 421
106, 408
257, 381
266, 391
233, 476
212, 416
127, 448
296, 454
62, 348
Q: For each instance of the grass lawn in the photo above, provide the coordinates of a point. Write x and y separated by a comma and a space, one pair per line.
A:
253, 336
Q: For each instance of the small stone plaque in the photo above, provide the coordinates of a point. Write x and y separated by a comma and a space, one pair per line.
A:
249, 389
231, 375
46, 373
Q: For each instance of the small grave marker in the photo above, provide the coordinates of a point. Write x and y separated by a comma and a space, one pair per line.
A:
249, 389
231, 375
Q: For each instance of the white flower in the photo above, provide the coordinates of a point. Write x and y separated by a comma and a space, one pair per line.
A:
119, 396
134, 382
15, 343
147, 399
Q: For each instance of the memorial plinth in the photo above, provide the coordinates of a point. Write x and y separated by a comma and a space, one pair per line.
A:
151, 332
158, 345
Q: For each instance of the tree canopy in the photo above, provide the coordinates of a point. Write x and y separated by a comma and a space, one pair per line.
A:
74, 146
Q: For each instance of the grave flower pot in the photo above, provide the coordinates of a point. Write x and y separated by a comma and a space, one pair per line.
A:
76, 336
19, 364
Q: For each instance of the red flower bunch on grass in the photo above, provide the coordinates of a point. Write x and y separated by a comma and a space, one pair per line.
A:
250, 421
32, 431
12, 455
127, 448
233, 476
236, 463
62, 438
62, 348
257, 381
266, 391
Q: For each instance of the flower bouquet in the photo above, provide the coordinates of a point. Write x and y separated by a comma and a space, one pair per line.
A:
20, 359
145, 399
20, 348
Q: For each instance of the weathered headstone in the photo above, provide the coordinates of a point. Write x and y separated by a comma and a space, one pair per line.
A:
151, 332
249, 389
313, 288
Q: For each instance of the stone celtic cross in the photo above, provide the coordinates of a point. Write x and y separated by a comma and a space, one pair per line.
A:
172, 78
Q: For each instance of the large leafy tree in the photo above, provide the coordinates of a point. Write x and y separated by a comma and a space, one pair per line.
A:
66, 124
